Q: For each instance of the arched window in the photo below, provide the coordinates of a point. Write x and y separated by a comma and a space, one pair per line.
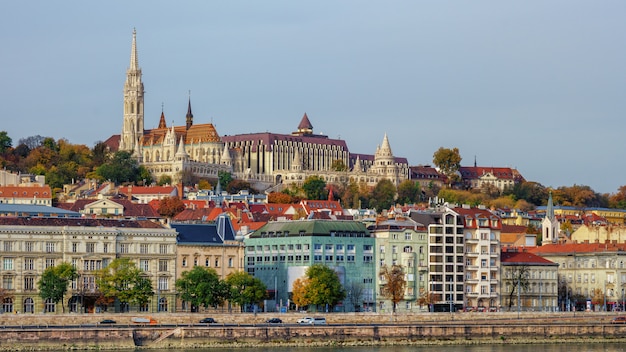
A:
49, 306
7, 305
29, 305
162, 305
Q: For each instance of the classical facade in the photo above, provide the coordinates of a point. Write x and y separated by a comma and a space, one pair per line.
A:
281, 251
30, 245
211, 245
541, 276
402, 242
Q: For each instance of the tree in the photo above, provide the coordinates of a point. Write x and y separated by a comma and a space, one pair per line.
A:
171, 206
164, 180
314, 188
383, 195
394, 284
324, 287
299, 292
245, 289
121, 168
54, 282
279, 198
202, 287
32, 142
355, 294
224, 177
338, 165
234, 186
5, 142
517, 278
427, 298
448, 161
409, 192
122, 280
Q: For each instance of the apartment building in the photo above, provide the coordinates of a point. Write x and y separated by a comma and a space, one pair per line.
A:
403, 242
30, 245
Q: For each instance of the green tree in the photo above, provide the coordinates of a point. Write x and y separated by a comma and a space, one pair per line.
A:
448, 161
202, 287
238, 185
324, 287
394, 284
314, 188
518, 279
164, 180
123, 280
409, 192
5, 142
225, 178
383, 195
120, 168
54, 282
245, 289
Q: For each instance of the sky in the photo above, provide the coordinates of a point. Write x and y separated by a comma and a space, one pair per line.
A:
533, 85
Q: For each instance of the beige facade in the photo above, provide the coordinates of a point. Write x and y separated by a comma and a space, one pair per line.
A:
29, 246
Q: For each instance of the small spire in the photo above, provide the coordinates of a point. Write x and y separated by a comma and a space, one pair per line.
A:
162, 123
189, 117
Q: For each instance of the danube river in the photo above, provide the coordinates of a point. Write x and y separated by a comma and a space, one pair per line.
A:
557, 347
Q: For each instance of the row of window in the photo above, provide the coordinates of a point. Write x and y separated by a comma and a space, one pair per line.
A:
90, 247
207, 262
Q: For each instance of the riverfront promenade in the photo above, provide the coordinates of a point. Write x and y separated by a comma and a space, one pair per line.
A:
179, 330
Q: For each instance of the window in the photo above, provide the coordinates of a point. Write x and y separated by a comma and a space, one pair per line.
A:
162, 265
230, 262
163, 249
8, 246
144, 264
328, 247
91, 247
105, 248
143, 248
184, 261
163, 284
317, 247
408, 236
7, 264
124, 248
29, 264
50, 247
29, 283
7, 282
217, 261
74, 247
29, 246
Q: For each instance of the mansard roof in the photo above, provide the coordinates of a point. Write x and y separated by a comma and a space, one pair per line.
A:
82, 222
272, 139
474, 172
30, 192
523, 258
213, 233
29, 210
312, 228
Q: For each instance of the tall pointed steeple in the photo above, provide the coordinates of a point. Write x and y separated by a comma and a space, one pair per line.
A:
550, 225
162, 123
189, 116
304, 127
550, 207
132, 128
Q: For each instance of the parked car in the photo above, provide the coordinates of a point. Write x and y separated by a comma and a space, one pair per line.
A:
108, 321
274, 321
312, 321
619, 320
208, 321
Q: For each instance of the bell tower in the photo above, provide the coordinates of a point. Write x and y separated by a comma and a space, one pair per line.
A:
132, 129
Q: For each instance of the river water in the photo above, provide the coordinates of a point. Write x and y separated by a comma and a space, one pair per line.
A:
557, 347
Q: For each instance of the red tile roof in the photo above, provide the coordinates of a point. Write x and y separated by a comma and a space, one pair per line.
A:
523, 258
574, 248
26, 192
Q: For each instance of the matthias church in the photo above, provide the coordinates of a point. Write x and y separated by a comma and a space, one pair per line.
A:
266, 160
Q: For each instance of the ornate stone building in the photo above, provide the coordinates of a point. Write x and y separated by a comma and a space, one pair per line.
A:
263, 159
30, 245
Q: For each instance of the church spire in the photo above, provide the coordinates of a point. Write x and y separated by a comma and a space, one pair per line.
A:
189, 116
550, 208
134, 60
162, 123
132, 128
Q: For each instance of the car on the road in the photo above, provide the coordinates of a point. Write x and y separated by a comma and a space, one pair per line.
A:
274, 321
208, 321
620, 319
108, 321
312, 321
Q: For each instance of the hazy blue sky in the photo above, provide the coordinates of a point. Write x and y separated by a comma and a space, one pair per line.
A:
534, 85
